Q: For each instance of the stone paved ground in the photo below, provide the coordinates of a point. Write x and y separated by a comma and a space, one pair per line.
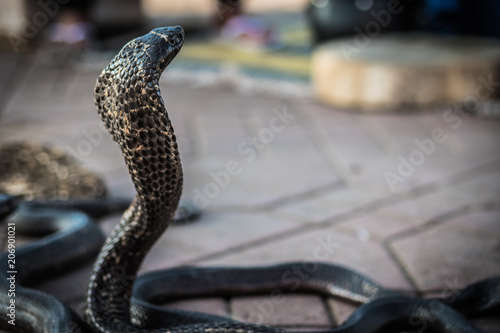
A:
311, 185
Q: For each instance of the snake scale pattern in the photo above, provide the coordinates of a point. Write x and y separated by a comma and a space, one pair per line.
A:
128, 99
42, 172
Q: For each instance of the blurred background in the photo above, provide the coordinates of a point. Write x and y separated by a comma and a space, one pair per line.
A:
279, 40
370, 123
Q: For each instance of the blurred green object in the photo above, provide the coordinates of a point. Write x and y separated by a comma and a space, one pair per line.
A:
291, 60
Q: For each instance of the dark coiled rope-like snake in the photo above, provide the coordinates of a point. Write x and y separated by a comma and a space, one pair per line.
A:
128, 100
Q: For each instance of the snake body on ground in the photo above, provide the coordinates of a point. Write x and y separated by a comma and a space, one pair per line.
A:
128, 99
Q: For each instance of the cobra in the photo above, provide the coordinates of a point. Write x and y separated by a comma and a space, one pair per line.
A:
129, 101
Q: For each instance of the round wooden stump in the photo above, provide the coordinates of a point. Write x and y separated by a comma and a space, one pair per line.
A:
405, 71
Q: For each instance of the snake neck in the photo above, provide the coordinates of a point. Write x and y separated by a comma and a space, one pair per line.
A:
129, 102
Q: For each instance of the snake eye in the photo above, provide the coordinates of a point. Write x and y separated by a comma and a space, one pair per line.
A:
172, 41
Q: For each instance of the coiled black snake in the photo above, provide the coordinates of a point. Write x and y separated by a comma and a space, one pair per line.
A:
128, 100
